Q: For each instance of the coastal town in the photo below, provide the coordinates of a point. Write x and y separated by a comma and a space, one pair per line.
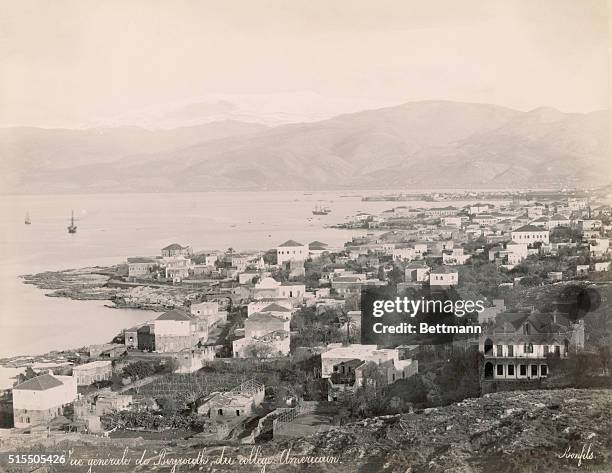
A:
257, 347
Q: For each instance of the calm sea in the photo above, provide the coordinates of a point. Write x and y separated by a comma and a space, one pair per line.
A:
113, 227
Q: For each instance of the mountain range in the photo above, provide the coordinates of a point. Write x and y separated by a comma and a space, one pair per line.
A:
430, 144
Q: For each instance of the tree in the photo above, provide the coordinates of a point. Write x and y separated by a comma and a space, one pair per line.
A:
258, 350
395, 276
369, 399
533, 280
580, 368
22, 377
138, 370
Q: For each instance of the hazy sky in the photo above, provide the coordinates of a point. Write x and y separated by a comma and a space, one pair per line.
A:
74, 61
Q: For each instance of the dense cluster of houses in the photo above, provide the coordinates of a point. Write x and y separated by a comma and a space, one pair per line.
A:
429, 245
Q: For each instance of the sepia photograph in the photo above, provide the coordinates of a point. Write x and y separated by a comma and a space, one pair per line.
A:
323, 236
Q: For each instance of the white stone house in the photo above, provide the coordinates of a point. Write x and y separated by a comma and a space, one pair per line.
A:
239, 402
175, 331
456, 256
142, 267
291, 250
39, 400
89, 373
599, 247
530, 234
403, 253
417, 271
176, 250
443, 276
517, 345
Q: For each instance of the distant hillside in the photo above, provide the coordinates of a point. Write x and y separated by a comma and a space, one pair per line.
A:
417, 145
28, 154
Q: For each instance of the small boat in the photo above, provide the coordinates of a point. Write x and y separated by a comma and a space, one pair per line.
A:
318, 210
27, 220
72, 228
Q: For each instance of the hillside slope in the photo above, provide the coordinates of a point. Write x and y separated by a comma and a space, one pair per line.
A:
416, 145
520, 431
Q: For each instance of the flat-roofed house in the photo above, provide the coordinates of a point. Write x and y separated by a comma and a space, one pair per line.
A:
144, 268
443, 276
289, 290
41, 399
89, 373
269, 288
417, 271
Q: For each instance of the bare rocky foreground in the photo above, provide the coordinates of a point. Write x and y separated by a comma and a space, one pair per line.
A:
498, 433
501, 432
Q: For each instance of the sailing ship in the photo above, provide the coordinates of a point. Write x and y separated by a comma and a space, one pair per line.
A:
319, 210
27, 220
72, 228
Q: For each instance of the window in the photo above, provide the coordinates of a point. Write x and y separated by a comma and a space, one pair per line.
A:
335, 368
528, 348
523, 370
557, 350
534, 370
237, 412
510, 370
500, 370
511, 350
546, 348
544, 370
220, 412
500, 350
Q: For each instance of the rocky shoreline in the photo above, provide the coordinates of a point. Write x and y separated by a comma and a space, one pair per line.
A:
103, 284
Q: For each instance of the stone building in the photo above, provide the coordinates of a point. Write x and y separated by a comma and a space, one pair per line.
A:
517, 345
239, 402
39, 400
89, 373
